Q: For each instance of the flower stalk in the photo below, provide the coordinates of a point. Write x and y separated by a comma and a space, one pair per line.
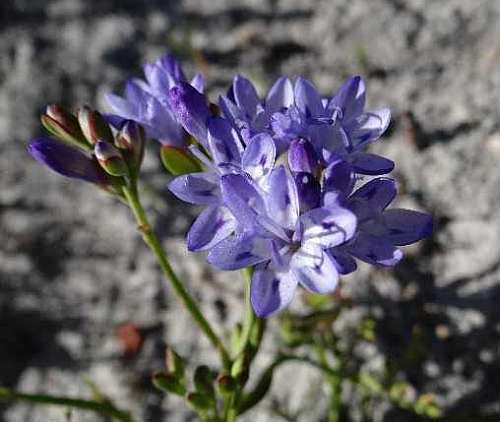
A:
154, 244
105, 408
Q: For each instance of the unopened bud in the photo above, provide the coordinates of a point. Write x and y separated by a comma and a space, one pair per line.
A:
93, 125
131, 141
302, 156
64, 126
199, 401
308, 190
174, 363
178, 161
168, 383
203, 381
110, 159
226, 384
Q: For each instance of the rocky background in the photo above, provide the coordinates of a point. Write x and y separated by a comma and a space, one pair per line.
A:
73, 269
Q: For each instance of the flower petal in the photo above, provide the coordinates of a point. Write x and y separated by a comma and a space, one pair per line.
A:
371, 164
122, 107
314, 269
66, 160
271, 290
223, 141
372, 198
282, 201
374, 250
245, 96
258, 158
349, 99
307, 98
339, 178
369, 127
172, 66
191, 110
157, 78
328, 226
239, 251
344, 262
242, 198
302, 156
196, 188
402, 227
280, 96
198, 82
213, 225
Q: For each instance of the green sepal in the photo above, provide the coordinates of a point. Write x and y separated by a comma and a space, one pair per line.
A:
168, 383
199, 402
174, 364
115, 166
178, 161
71, 135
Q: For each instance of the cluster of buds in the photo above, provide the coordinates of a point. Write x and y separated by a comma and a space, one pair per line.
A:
84, 146
206, 385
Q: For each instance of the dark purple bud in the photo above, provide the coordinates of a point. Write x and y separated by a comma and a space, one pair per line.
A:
302, 156
94, 126
67, 161
308, 190
191, 110
64, 126
110, 158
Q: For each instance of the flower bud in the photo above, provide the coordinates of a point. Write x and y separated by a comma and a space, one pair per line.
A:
308, 190
93, 125
199, 402
178, 161
174, 363
168, 383
203, 381
64, 126
110, 159
131, 140
226, 384
302, 156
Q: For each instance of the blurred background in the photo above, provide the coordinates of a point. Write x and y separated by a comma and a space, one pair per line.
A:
82, 299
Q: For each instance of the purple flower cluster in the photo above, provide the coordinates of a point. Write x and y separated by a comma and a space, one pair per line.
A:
146, 101
282, 186
287, 185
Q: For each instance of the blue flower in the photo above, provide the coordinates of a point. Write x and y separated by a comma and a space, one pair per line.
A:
337, 125
279, 183
226, 155
286, 247
380, 230
147, 101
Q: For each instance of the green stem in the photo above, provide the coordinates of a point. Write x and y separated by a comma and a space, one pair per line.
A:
335, 382
265, 381
230, 412
105, 408
249, 318
154, 244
